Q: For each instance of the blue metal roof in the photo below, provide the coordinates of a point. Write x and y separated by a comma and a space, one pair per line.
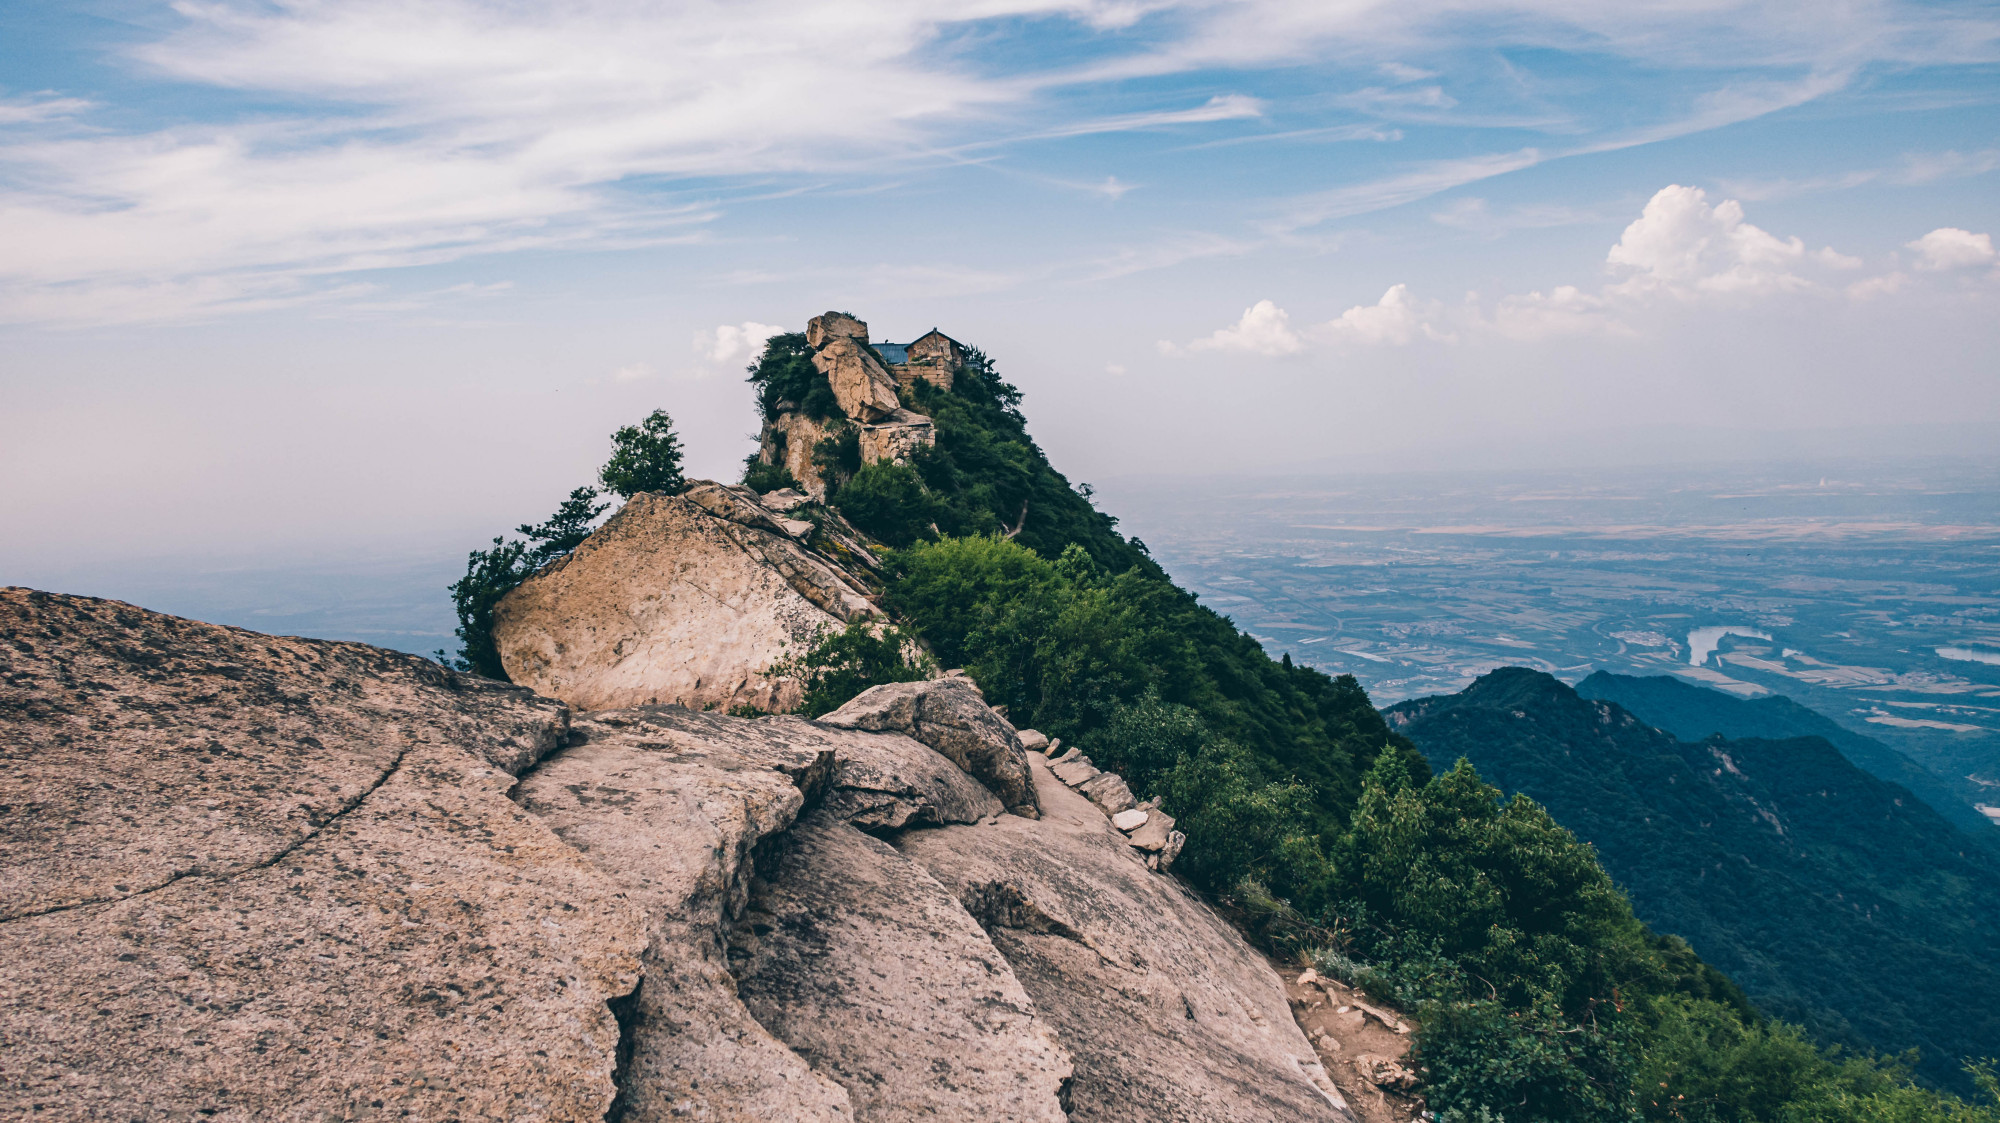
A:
894, 352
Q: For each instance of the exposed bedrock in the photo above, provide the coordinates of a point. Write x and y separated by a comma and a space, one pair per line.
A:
262, 878
692, 599
250, 877
1166, 1013
873, 972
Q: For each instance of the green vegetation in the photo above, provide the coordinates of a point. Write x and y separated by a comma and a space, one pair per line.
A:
1691, 713
784, 373
644, 457
845, 663
1837, 901
761, 477
1538, 995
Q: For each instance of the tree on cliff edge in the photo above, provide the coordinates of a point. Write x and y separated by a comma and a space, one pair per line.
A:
645, 457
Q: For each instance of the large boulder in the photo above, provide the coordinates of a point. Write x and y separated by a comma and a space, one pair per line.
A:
827, 327
692, 599
863, 387
1165, 1011
951, 716
870, 970
249, 877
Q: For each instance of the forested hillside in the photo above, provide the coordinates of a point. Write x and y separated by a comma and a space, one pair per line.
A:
1539, 995
1832, 898
1692, 713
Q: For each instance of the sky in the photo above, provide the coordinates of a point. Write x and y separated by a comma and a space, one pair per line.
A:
310, 279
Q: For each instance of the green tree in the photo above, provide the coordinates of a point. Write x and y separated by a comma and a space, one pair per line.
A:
645, 457
489, 575
889, 502
565, 530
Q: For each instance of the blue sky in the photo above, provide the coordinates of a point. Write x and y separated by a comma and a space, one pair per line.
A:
302, 275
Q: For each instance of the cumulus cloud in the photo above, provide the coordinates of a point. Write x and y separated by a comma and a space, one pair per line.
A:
1682, 245
1265, 329
730, 343
1948, 247
1682, 249
1394, 320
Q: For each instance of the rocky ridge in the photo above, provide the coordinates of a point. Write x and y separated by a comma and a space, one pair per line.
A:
865, 390
253, 877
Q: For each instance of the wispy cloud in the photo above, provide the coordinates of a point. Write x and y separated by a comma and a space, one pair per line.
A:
424, 131
1222, 107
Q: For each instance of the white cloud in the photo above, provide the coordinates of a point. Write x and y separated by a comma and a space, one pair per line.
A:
1680, 249
1565, 310
1887, 284
430, 130
1948, 247
20, 112
636, 372
1222, 107
1395, 320
731, 343
1683, 246
1263, 330
1474, 214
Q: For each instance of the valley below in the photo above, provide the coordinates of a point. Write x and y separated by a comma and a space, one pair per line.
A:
1867, 592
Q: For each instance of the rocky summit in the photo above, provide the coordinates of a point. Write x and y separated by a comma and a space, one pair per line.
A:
262, 878
250, 877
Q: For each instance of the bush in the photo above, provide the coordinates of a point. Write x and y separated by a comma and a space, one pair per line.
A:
784, 372
761, 477
645, 457
888, 501
843, 664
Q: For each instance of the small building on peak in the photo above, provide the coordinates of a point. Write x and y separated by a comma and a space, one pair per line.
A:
934, 357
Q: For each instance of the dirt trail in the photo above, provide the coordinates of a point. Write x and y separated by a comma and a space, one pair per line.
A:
1357, 1040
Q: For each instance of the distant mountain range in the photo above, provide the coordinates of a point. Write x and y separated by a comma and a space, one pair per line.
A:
1834, 898
1693, 713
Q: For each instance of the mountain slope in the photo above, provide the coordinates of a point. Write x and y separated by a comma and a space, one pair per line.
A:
1832, 898
1692, 713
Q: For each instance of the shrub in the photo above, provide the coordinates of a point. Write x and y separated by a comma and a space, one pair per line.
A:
645, 457
563, 531
489, 575
761, 477
838, 456
889, 502
842, 664
784, 372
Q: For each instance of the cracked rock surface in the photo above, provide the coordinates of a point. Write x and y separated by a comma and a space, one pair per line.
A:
249, 877
1165, 1011
262, 878
873, 972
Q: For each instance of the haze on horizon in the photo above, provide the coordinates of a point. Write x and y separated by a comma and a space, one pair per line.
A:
280, 276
